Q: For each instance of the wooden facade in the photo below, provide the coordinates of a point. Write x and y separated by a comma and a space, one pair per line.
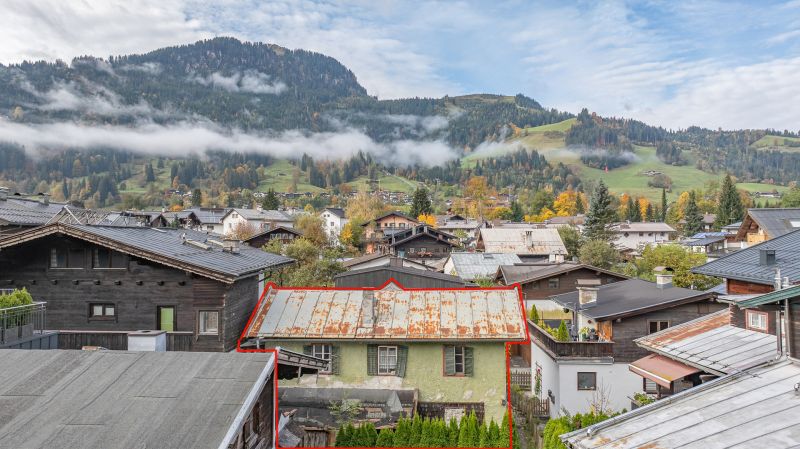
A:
736, 287
565, 283
135, 294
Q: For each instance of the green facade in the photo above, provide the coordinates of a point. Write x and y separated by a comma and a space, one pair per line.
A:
424, 371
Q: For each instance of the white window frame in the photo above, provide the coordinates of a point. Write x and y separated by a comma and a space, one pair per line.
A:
387, 360
324, 352
201, 329
761, 317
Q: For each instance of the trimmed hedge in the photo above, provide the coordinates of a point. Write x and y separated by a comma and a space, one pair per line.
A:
15, 299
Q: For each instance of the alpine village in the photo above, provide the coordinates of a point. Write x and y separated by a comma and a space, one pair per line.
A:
589, 282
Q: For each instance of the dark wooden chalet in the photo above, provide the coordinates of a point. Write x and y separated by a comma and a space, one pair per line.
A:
282, 233
420, 242
542, 280
100, 282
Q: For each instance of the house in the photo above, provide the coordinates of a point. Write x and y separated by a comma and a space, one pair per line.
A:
606, 321
408, 276
528, 243
635, 236
448, 345
281, 233
382, 260
255, 220
419, 242
708, 222
115, 399
731, 229
747, 407
19, 213
472, 266
760, 225
694, 352
754, 408
209, 219
377, 230
458, 225
183, 219
758, 268
541, 281
711, 245
100, 280
333, 220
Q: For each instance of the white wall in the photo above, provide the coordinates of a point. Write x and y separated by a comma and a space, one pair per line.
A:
560, 376
634, 241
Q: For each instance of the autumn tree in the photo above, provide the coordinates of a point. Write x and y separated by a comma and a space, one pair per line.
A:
566, 203
478, 192
242, 231
599, 253
429, 219
364, 207
677, 258
311, 228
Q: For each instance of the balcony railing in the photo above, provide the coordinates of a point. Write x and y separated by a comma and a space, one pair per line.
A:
569, 348
21, 322
118, 340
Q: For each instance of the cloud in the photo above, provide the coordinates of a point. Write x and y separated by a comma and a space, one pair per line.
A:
197, 138
152, 68
248, 81
85, 97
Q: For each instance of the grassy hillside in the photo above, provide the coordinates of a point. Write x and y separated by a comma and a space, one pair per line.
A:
777, 142
278, 176
546, 139
387, 182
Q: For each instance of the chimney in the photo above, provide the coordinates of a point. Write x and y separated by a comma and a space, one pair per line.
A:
587, 291
3, 193
259, 208
231, 245
152, 341
777, 280
46, 199
663, 277
766, 257
395, 262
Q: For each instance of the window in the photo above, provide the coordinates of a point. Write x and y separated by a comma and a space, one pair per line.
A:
553, 282
208, 322
6, 291
587, 381
234, 215
166, 318
323, 352
757, 321
655, 326
331, 224
458, 361
103, 258
209, 227
387, 360
66, 258
102, 311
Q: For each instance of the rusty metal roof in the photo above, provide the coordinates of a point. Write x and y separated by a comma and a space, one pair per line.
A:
712, 344
391, 313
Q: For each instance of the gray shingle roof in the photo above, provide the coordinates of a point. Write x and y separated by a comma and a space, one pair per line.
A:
166, 246
705, 241
208, 215
757, 408
744, 265
776, 222
471, 266
262, 215
524, 273
27, 212
630, 297
338, 211
117, 399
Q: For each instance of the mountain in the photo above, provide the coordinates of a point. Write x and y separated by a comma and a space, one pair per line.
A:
222, 113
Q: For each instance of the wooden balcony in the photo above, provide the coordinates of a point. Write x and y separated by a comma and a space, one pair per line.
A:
569, 348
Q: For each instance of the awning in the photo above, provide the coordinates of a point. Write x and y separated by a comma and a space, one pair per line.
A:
661, 370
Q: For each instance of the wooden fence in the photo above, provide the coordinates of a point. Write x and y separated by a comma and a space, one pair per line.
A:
532, 408
522, 378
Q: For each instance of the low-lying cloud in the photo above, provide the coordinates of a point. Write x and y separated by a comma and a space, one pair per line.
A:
247, 81
186, 138
85, 97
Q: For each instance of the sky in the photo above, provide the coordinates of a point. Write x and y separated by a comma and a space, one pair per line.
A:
728, 64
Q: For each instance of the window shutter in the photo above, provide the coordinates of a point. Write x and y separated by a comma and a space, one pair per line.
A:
449, 360
307, 350
334, 359
402, 358
372, 360
468, 361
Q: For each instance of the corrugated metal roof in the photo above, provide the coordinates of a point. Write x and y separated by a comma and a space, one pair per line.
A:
705, 241
471, 266
745, 264
168, 244
629, 297
208, 215
390, 313
117, 399
528, 241
262, 214
27, 212
758, 408
712, 344
771, 297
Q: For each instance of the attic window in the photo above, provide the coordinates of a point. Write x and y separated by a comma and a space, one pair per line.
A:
795, 223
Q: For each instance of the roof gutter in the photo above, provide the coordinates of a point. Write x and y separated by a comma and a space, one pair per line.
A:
248, 405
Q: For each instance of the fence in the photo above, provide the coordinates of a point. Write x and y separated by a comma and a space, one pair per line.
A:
570, 348
21, 322
521, 377
531, 407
